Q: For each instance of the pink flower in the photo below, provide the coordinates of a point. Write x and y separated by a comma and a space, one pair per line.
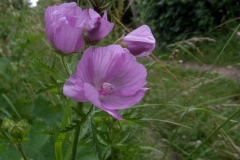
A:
109, 77
64, 26
140, 42
97, 28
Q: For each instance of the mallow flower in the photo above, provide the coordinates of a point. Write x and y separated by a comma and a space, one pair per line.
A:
64, 27
97, 28
140, 42
109, 77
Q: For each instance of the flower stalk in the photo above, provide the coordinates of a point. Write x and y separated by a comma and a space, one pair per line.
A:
19, 146
64, 65
75, 142
76, 135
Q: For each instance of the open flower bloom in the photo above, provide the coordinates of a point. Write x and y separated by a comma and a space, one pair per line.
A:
64, 26
97, 28
140, 42
109, 77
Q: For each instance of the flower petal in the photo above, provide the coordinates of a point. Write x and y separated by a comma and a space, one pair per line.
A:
92, 95
115, 114
140, 42
68, 39
119, 102
130, 78
97, 27
102, 64
73, 88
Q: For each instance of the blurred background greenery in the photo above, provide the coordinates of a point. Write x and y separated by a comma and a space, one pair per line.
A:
175, 115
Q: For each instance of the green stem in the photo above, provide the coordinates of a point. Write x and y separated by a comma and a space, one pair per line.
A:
61, 136
19, 146
112, 154
65, 66
76, 135
213, 133
75, 142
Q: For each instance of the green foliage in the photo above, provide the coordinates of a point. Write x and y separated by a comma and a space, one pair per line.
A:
101, 5
173, 21
194, 111
17, 132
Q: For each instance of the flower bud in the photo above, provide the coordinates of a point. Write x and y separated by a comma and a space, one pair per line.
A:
17, 131
64, 26
21, 129
7, 125
140, 42
23, 124
96, 27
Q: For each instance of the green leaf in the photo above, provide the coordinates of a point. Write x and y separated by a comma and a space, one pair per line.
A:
129, 150
54, 88
45, 67
85, 153
4, 136
48, 132
165, 121
95, 142
61, 136
74, 124
151, 149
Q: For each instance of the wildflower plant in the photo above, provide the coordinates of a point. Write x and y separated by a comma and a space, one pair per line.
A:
105, 81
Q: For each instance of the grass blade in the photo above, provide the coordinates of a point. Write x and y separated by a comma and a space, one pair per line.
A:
11, 105
213, 133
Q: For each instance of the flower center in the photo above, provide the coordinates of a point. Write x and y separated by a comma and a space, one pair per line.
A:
106, 88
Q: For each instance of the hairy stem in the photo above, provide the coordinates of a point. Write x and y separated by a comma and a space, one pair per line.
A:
19, 146
75, 142
76, 134
64, 65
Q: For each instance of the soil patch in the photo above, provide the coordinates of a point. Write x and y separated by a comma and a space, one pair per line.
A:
228, 71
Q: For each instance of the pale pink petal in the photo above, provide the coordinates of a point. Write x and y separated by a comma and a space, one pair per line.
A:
119, 102
92, 95
83, 17
73, 88
130, 78
140, 42
50, 32
68, 39
94, 21
102, 64
83, 67
98, 27
115, 114
68, 5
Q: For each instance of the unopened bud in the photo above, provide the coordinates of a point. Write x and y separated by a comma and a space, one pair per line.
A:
21, 129
18, 131
7, 125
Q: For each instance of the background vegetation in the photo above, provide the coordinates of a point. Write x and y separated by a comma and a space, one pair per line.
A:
183, 111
